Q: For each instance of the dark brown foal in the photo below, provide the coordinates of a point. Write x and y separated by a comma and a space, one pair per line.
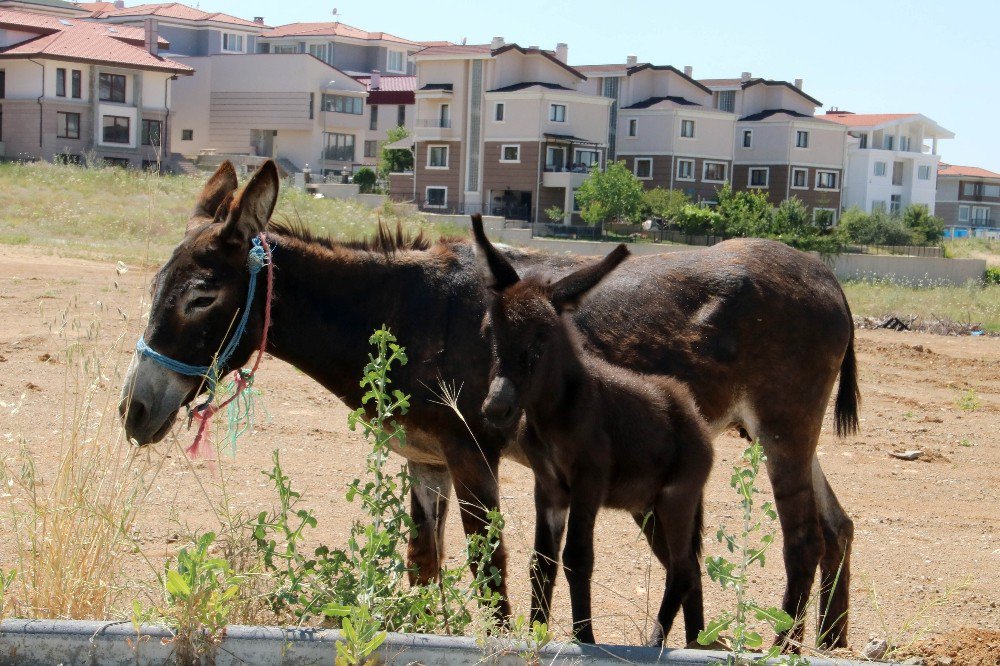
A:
596, 435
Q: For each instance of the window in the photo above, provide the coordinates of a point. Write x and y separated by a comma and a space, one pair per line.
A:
444, 115
68, 125
3, 84
437, 157
151, 132
800, 179
120, 162
725, 100
633, 126
714, 172
286, 48
436, 197
878, 206
318, 51
685, 169
687, 129
748, 138
586, 158
924, 172
991, 191
904, 143
643, 168
826, 180
897, 173
880, 168
77, 84
555, 158
863, 141
339, 147
801, 139
112, 88
758, 177
187, 135
969, 189
60, 82
371, 148
395, 62
557, 113
980, 215
887, 142
342, 104
576, 201
116, 129
401, 115
233, 42
963, 213
510, 153
373, 121
895, 203
498, 111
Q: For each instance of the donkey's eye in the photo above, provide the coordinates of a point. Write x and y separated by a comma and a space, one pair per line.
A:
200, 302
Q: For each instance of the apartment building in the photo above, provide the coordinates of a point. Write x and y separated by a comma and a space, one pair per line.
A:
892, 159
190, 31
968, 199
70, 88
503, 129
780, 147
390, 104
345, 47
59, 8
665, 128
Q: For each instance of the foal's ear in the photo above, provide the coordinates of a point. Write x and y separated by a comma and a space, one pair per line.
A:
500, 273
567, 292
222, 183
251, 209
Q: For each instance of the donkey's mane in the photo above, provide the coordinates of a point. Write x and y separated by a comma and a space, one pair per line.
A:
386, 241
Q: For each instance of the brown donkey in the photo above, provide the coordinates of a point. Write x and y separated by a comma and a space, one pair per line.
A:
596, 435
758, 331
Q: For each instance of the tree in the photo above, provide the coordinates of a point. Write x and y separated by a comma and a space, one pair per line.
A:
695, 220
365, 179
743, 213
663, 204
613, 195
394, 160
926, 228
877, 228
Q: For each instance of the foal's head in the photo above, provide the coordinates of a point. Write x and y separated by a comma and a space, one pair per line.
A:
196, 297
521, 321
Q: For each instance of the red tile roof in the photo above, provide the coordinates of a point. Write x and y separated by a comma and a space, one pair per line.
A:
391, 83
863, 119
967, 171
176, 10
455, 49
331, 29
85, 41
97, 7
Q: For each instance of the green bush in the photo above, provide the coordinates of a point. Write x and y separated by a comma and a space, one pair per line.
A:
878, 228
992, 275
365, 179
695, 220
612, 196
926, 228
663, 204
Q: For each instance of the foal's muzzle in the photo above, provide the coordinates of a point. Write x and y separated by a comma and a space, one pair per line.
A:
500, 407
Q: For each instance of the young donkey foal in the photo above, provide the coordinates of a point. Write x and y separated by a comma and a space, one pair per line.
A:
596, 435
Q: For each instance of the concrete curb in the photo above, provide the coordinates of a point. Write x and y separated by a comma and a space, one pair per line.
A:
45, 642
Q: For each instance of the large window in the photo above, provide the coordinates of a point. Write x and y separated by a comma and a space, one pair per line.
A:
970, 189
880, 168
685, 169
826, 180
800, 179
151, 132
436, 197
339, 147
687, 129
587, 158
801, 139
112, 87
510, 152
318, 51
980, 215
373, 120
437, 157
725, 100
396, 62
555, 158
342, 104
371, 148
992, 191
232, 42
714, 172
60, 82
498, 111
68, 125
116, 129
748, 138
924, 172
758, 177
77, 84
557, 113
644, 168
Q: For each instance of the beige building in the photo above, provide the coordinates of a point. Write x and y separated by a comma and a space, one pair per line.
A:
968, 200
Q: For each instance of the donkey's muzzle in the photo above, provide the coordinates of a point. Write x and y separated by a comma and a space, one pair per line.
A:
500, 407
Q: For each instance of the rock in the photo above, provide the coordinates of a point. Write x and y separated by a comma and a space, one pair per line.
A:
912, 454
913, 661
875, 649
944, 661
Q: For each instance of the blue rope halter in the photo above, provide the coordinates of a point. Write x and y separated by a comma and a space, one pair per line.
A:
256, 260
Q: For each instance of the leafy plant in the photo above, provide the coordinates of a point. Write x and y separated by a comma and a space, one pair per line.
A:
749, 547
992, 275
555, 214
612, 196
663, 204
968, 401
366, 180
394, 160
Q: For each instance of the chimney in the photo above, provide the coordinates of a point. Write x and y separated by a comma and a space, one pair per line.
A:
376, 83
798, 83
496, 43
688, 71
744, 77
259, 20
631, 61
152, 36
562, 52
119, 4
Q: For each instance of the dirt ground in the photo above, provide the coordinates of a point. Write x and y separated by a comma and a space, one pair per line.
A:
927, 540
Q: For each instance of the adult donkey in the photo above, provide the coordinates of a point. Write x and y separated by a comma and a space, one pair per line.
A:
758, 330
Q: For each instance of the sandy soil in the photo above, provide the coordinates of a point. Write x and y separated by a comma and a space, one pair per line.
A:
923, 528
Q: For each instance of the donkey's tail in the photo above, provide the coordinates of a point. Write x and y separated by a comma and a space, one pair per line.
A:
845, 410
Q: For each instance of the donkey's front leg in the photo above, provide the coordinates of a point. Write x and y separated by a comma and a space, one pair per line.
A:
550, 525
578, 558
429, 495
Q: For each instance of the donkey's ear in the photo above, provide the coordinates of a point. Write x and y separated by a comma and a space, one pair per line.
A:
218, 187
567, 292
500, 274
252, 208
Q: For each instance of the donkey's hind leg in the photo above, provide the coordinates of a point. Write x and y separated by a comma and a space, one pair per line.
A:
677, 534
429, 497
835, 566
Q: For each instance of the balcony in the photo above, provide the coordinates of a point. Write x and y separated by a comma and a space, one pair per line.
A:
434, 128
560, 178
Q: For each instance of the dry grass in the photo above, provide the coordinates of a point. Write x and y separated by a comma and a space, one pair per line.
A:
971, 303
974, 248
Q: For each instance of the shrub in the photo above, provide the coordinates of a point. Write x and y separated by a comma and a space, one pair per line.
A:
743, 213
614, 195
878, 228
555, 214
366, 180
696, 220
663, 204
992, 275
926, 228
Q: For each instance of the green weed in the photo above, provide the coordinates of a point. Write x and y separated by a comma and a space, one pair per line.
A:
968, 401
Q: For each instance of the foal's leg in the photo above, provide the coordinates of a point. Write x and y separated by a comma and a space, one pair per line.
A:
654, 537
429, 497
578, 558
835, 566
550, 525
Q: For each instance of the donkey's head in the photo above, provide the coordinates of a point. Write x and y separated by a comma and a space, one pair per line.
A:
196, 298
521, 321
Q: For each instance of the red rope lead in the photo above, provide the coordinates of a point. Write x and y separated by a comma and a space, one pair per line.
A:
241, 380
